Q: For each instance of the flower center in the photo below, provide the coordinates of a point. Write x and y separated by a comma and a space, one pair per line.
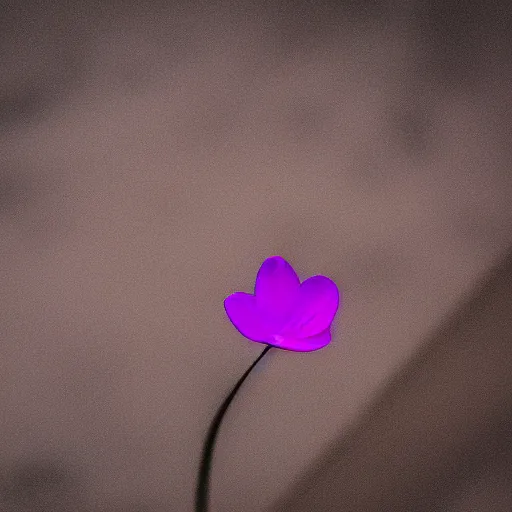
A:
278, 338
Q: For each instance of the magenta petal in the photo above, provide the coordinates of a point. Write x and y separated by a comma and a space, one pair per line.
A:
276, 287
242, 311
303, 344
315, 310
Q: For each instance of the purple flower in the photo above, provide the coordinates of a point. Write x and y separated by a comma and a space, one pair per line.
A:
283, 312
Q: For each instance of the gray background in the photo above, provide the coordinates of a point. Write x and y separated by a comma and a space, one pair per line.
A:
151, 158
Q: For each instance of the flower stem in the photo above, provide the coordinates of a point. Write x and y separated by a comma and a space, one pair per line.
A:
209, 443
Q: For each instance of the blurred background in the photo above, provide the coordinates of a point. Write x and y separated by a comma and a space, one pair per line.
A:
152, 156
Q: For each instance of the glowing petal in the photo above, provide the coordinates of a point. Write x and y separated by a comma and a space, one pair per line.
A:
304, 344
276, 287
243, 312
315, 310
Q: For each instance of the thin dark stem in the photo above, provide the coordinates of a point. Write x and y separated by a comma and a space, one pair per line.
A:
209, 443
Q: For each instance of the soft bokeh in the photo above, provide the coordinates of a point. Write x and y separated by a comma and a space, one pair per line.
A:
152, 157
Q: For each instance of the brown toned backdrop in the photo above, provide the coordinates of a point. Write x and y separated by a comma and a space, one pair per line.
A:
152, 157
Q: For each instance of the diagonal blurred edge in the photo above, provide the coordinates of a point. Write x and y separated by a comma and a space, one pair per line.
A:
439, 419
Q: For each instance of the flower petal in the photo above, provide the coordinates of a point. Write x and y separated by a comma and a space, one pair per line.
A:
243, 312
276, 287
317, 305
303, 344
